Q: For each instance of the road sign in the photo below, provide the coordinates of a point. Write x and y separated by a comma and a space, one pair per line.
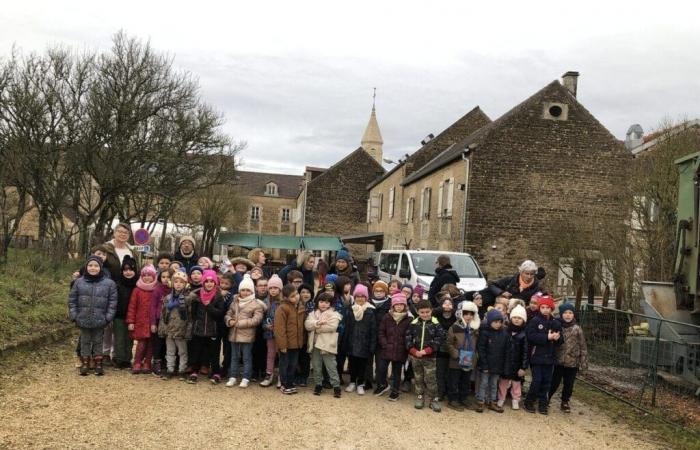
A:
143, 248
142, 236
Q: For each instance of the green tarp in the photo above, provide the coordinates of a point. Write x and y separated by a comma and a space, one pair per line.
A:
249, 240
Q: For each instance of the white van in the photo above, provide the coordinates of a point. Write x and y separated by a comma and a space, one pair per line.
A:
418, 267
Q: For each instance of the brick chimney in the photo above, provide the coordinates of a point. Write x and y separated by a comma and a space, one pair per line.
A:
570, 81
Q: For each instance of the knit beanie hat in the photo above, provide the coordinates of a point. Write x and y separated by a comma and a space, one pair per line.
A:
148, 270
97, 259
128, 262
407, 285
420, 290
544, 299
492, 315
519, 311
275, 282
178, 275
361, 291
247, 283
210, 275
344, 255
379, 284
207, 260
197, 268
188, 238
398, 298
331, 278
565, 307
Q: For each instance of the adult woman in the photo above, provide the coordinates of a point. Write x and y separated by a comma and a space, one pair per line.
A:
257, 256
304, 263
522, 285
117, 248
443, 275
343, 267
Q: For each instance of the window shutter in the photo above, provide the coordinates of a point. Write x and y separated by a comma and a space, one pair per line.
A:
450, 196
369, 209
391, 202
374, 208
439, 208
428, 192
422, 203
381, 202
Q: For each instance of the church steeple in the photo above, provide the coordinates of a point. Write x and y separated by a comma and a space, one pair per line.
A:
372, 139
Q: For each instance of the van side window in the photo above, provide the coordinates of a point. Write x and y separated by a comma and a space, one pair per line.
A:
404, 264
389, 262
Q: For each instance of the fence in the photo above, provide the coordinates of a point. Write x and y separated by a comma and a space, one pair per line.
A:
648, 362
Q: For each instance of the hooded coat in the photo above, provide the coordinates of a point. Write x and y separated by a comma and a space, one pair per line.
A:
392, 338
518, 354
92, 303
443, 275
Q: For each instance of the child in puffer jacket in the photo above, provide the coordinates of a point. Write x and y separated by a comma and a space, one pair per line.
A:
462, 339
274, 298
392, 333
572, 355
543, 337
174, 317
518, 360
138, 320
493, 349
92, 303
360, 339
322, 325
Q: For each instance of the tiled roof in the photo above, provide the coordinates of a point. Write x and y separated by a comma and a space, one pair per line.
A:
254, 183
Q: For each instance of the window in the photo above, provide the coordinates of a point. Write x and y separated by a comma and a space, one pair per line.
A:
392, 192
555, 111
286, 214
445, 198
389, 262
271, 189
255, 214
374, 208
425, 204
410, 205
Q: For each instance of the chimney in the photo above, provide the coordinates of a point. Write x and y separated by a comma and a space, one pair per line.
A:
570, 81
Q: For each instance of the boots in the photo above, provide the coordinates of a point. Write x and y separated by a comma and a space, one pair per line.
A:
99, 371
495, 407
565, 407
479, 407
157, 367
543, 408
84, 366
146, 366
530, 406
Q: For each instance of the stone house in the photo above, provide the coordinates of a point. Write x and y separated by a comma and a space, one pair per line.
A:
545, 161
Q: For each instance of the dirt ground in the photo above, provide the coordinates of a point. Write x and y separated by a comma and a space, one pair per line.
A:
45, 404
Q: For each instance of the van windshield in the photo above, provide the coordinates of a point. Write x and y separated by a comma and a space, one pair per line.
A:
464, 265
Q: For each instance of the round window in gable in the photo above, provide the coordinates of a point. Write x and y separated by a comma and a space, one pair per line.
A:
555, 111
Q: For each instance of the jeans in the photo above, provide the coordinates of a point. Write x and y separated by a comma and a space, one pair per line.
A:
319, 360
568, 374
175, 348
288, 365
382, 368
442, 365
91, 342
458, 383
122, 344
539, 387
487, 381
244, 350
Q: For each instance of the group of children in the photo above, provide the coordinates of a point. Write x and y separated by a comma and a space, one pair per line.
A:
385, 334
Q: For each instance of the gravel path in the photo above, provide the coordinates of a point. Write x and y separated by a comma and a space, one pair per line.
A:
47, 405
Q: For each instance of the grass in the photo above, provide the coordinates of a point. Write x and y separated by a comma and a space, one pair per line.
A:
653, 429
33, 296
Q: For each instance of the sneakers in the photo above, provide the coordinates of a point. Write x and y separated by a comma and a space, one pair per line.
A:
231, 382
216, 379
500, 403
516, 404
267, 381
361, 389
84, 366
136, 369
455, 405
99, 371
279, 383
394, 396
565, 407
336, 392
435, 405
287, 391
244, 383
167, 375
543, 409
479, 407
419, 403
351, 387
495, 407
318, 389
157, 367
406, 386
530, 407
381, 390
193, 379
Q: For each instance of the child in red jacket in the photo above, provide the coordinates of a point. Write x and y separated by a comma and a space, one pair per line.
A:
138, 319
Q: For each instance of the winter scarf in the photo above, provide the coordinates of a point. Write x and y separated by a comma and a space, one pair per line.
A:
207, 296
242, 301
524, 285
398, 316
565, 324
359, 311
146, 286
380, 301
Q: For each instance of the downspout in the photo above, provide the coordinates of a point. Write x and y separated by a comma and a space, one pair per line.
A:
465, 211
303, 217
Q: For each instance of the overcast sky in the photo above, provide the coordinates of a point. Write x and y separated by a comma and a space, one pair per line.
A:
294, 78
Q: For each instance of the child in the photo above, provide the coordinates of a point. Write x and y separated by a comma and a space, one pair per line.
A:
493, 351
173, 322
164, 260
360, 338
322, 325
243, 317
207, 307
304, 364
341, 304
392, 345
502, 306
416, 298
445, 315
261, 288
139, 321
175, 266
394, 286
260, 345
256, 273
195, 274
572, 355
289, 335
423, 338
518, 359
461, 344
205, 263
158, 342
125, 285
92, 303
543, 337
226, 284
343, 290
382, 304
533, 308
407, 290
274, 289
